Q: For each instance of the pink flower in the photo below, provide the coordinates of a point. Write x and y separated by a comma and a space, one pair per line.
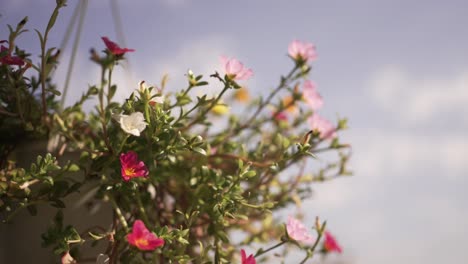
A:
330, 244
114, 48
311, 96
280, 116
302, 51
247, 260
131, 166
68, 259
234, 69
10, 60
142, 238
323, 126
297, 231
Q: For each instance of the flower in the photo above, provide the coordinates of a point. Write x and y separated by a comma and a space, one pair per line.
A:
297, 231
330, 244
311, 96
280, 116
220, 109
131, 167
234, 69
114, 48
290, 105
142, 238
323, 126
302, 51
242, 94
247, 260
132, 124
68, 259
8, 59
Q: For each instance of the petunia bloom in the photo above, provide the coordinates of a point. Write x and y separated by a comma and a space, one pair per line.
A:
242, 94
326, 129
247, 260
68, 259
234, 69
114, 48
142, 238
302, 51
330, 244
297, 231
132, 124
280, 116
311, 96
131, 167
10, 60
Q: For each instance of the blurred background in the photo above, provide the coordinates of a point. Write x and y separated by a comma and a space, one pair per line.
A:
397, 69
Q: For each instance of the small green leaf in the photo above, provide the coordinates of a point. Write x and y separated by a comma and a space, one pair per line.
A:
199, 150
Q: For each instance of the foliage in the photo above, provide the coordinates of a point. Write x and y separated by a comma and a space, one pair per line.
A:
202, 179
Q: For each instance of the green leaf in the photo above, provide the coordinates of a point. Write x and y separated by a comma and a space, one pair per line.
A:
199, 150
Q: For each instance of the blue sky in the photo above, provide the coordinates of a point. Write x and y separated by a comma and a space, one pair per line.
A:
397, 69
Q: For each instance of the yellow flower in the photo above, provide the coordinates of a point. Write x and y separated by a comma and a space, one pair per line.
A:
242, 95
220, 109
290, 107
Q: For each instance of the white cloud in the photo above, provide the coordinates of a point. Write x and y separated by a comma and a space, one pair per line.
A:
419, 99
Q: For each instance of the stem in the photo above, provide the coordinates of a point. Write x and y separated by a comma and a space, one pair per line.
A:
261, 252
310, 253
284, 81
119, 215
204, 112
142, 210
102, 110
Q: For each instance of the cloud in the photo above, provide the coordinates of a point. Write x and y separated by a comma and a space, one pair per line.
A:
419, 99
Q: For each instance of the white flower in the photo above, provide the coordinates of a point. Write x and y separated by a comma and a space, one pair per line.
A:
132, 124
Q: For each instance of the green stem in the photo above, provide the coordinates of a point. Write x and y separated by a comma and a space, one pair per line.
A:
261, 252
213, 104
117, 210
310, 253
142, 210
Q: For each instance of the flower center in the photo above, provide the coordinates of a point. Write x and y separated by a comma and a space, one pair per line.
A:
129, 171
141, 242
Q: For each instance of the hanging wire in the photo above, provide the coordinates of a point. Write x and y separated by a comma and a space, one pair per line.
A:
82, 7
66, 37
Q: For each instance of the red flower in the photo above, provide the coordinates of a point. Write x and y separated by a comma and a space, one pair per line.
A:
330, 244
10, 60
142, 238
247, 260
131, 166
114, 48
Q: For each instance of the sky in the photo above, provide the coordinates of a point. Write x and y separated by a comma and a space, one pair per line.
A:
397, 69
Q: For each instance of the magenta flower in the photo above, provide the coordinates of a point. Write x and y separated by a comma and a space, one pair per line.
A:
280, 116
323, 126
114, 48
297, 231
247, 260
330, 244
10, 60
311, 96
234, 69
142, 238
302, 51
131, 166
